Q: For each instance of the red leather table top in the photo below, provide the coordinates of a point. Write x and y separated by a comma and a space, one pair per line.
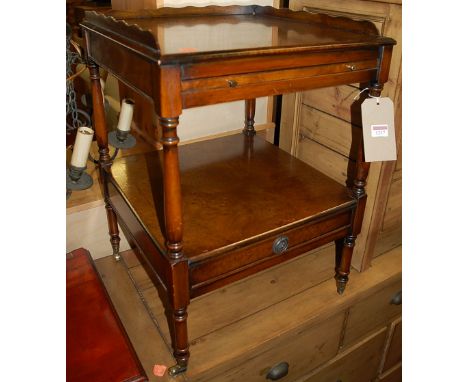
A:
98, 348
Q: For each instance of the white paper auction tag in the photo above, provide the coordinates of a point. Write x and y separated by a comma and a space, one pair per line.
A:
378, 129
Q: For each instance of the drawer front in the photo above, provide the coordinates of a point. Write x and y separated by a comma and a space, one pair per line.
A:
227, 82
377, 310
393, 356
278, 248
358, 364
211, 96
302, 351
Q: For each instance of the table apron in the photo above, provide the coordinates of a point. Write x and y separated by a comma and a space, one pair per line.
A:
139, 237
293, 81
129, 66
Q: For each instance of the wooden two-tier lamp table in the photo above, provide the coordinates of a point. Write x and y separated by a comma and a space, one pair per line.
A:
209, 213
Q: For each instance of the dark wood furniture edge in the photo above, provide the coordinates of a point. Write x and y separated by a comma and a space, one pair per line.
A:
140, 378
143, 40
360, 26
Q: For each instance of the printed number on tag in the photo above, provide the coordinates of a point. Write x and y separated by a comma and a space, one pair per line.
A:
379, 131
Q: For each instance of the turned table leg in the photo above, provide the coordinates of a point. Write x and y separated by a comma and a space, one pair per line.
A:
249, 129
178, 289
343, 261
99, 124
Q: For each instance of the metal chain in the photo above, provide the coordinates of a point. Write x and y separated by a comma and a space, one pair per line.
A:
72, 109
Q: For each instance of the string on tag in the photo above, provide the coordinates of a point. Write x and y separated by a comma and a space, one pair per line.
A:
371, 96
359, 94
376, 98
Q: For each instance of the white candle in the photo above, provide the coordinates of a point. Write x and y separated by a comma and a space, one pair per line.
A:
84, 137
126, 114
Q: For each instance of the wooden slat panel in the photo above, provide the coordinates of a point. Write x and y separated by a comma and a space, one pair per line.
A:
288, 116
399, 161
392, 216
335, 101
329, 131
387, 240
358, 364
323, 159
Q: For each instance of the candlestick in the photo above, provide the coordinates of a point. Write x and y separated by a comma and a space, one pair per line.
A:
121, 137
84, 138
126, 115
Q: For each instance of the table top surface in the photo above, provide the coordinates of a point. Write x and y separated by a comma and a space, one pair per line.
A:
201, 31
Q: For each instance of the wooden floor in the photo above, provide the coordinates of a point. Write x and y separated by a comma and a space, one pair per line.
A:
227, 326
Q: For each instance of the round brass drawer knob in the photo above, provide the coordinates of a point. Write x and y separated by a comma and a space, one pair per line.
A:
279, 371
232, 83
280, 244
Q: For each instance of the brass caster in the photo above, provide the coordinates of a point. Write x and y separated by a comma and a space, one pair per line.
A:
117, 256
341, 283
340, 289
176, 369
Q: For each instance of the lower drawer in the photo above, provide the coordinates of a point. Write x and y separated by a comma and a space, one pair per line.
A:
358, 364
282, 245
373, 312
302, 351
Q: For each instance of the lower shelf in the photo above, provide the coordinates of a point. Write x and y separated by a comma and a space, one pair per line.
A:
240, 196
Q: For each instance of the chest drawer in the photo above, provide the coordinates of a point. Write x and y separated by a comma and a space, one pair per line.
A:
375, 311
302, 351
358, 364
393, 356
